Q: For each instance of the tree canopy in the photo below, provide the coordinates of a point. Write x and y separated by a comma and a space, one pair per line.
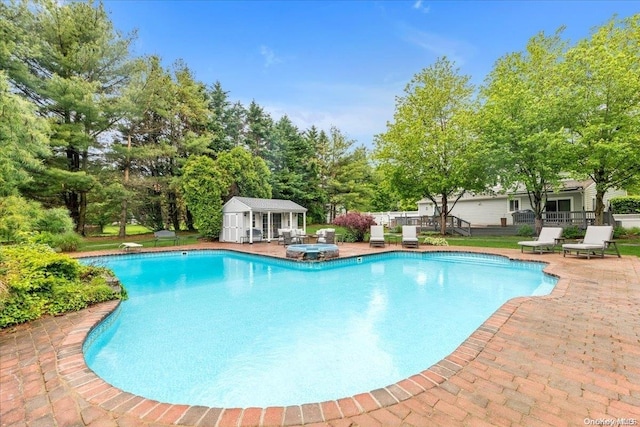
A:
87, 126
431, 149
602, 98
522, 120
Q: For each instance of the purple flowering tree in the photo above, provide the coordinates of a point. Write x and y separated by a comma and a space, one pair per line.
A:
356, 223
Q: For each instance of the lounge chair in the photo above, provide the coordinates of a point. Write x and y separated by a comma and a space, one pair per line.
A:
546, 241
376, 238
409, 236
596, 240
130, 246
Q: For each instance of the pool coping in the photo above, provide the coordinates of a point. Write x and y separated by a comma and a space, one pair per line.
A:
94, 389
501, 374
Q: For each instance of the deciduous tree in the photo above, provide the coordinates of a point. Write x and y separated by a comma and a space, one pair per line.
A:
602, 96
431, 148
203, 186
522, 120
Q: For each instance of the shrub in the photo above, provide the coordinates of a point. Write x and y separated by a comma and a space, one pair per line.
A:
435, 241
37, 281
17, 218
55, 221
65, 242
357, 224
621, 232
572, 232
526, 230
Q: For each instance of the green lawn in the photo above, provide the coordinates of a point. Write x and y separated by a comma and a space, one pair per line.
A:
112, 230
142, 235
146, 239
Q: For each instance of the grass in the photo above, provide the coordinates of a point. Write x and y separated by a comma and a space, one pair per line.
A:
144, 236
112, 230
146, 239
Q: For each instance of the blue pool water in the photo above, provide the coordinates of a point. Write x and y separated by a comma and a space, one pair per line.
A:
217, 328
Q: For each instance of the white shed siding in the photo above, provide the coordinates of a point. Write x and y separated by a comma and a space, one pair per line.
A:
234, 205
241, 214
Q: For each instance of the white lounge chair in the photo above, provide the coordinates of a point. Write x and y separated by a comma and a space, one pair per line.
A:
409, 236
130, 246
596, 240
376, 237
547, 240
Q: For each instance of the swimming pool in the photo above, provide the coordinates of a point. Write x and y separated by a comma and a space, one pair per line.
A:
218, 328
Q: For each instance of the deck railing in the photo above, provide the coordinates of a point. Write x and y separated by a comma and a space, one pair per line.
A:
454, 224
580, 219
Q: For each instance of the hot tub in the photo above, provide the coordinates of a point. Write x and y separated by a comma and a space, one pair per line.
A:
313, 252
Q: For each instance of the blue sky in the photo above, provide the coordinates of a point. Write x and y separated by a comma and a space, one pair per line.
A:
342, 63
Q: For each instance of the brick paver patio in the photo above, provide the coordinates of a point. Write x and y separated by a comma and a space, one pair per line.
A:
568, 359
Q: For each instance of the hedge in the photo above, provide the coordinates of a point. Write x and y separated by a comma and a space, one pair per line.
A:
625, 205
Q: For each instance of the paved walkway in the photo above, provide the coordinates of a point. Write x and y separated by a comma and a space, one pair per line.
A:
568, 359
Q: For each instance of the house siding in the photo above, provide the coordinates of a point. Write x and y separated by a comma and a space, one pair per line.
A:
487, 210
590, 197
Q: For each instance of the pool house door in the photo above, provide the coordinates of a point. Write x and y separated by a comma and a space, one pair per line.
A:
231, 227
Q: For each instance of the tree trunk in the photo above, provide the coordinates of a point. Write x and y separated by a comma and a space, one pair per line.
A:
122, 231
443, 215
82, 213
190, 225
599, 208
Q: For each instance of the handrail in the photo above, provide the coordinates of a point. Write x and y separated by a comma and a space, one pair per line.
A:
454, 224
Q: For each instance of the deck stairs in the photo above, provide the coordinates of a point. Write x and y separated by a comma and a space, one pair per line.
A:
455, 225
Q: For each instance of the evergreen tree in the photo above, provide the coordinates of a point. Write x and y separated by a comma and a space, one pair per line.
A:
68, 60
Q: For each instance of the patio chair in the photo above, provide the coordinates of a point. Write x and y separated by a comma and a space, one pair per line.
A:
280, 235
328, 235
409, 236
256, 235
287, 238
546, 241
596, 240
376, 238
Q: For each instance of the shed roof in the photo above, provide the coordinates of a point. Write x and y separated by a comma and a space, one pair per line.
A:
269, 205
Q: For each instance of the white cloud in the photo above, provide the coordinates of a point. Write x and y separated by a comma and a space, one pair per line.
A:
270, 57
419, 5
436, 44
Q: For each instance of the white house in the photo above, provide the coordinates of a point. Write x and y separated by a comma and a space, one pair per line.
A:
248, 219
574, 198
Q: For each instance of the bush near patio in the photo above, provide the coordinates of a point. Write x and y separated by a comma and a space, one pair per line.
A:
357, 225
35, 280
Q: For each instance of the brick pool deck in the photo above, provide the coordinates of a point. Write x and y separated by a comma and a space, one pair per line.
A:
568, 359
